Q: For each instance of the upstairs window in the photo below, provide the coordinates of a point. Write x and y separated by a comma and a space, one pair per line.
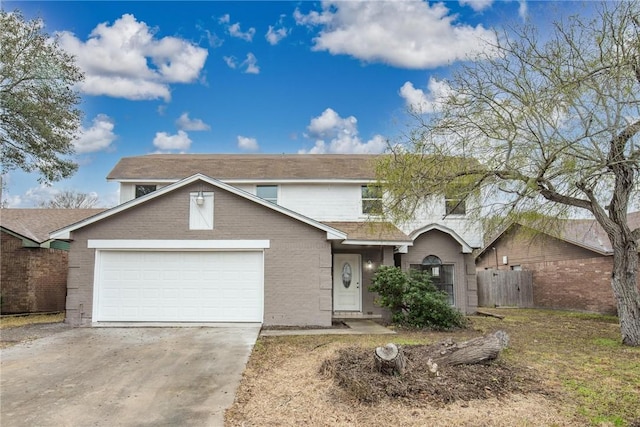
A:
268, 193
454, 205
143, 190
371, 200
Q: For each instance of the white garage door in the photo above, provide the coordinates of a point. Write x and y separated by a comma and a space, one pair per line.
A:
147, 286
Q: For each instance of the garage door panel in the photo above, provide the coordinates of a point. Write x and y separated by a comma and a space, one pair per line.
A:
179, 286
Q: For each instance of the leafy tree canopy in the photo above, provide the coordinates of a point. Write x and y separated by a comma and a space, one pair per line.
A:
539, 125
38, 114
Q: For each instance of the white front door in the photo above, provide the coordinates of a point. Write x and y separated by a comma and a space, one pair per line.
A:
347, 275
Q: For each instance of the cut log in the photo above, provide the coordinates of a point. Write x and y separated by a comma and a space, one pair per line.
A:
487, 314
477, 350
390, 359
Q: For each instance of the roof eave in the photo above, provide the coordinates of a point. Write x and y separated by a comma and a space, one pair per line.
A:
377, 242
65, 233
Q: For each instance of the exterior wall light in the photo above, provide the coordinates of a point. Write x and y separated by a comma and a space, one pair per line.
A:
369, 265
200, 198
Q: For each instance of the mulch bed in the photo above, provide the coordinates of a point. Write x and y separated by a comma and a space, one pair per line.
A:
353, 371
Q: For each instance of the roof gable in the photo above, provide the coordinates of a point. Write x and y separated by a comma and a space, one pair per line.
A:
36, 224
65, 233
246, 166
585, 233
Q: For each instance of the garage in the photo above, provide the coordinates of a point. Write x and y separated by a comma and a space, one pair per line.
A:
178, 286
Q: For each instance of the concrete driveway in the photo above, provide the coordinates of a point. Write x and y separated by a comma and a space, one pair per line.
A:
124, 376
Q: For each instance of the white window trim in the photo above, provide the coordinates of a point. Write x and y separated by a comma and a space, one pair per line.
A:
125, 244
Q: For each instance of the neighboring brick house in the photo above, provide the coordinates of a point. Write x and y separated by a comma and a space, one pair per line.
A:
33, 277
273, 239
571, 266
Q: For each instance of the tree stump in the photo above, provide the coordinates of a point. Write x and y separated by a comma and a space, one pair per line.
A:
390, 360
477, 350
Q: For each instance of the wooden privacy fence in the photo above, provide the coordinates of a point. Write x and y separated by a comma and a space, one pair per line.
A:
505, 288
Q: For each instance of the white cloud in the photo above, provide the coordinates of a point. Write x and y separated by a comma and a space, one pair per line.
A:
164, 141
420, 102
523, 9
230, 61
12, 201
33, 197
330, 124
275, 36
224, 19
98, 137
249, 64
247, 144
235, 31
406, 34
334, 134
126, 60
188, 124
477, 5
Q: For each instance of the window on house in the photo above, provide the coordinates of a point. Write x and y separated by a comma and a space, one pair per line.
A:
268, 193
143, 190
454, 205
441, 274
371, 200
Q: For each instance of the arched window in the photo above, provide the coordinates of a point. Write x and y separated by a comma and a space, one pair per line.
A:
431, 260
441, 274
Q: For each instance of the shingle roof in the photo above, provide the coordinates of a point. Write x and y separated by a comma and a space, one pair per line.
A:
370, 231
586, 233
246, 166
35, 224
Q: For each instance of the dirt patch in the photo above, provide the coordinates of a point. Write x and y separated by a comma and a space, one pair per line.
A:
295, 393
336, 324
353, 370
13, 335
585, 377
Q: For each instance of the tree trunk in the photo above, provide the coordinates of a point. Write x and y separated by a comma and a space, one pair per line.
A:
477, 350
624, 282
390, 360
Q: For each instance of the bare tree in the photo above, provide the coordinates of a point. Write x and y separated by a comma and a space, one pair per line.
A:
540, 128
72, 200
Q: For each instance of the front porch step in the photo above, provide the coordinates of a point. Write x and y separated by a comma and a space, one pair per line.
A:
354, 315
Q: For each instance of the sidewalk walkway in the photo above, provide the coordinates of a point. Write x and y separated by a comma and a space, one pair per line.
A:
355, 327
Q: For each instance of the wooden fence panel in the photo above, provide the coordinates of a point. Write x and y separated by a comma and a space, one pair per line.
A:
505, 288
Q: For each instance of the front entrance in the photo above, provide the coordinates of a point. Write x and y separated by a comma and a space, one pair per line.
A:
347, 274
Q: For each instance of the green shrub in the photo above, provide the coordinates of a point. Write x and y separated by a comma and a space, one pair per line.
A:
413, 300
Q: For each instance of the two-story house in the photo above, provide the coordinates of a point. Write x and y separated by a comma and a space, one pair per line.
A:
276, 239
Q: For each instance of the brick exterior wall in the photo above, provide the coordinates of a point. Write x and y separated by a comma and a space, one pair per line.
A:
565, 276
32, 280
297, 266
449, 251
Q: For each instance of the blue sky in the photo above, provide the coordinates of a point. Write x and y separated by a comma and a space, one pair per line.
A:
254, 77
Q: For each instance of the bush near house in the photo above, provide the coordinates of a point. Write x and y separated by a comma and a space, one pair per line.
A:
414, 301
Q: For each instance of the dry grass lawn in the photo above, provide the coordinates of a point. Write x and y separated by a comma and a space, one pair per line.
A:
20, 320
583, 376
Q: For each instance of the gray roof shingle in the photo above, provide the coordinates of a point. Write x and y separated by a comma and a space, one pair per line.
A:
370, 231
246, 166
36, 224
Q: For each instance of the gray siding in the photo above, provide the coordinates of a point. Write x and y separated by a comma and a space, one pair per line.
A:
297, 284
